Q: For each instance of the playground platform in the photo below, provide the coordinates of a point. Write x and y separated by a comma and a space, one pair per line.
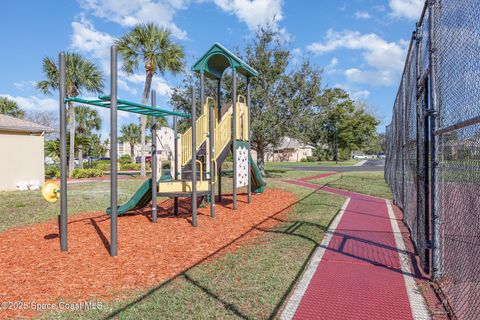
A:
363, 268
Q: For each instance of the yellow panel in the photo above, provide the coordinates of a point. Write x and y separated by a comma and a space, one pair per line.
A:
181, 186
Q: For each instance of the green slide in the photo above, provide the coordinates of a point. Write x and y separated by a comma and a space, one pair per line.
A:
140, 199
258, 182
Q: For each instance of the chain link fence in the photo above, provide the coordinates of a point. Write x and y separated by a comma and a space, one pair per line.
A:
433, 150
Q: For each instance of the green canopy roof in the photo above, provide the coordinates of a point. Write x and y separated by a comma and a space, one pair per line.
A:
217, 59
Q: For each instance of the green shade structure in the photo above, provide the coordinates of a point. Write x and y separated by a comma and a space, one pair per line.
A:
217, 59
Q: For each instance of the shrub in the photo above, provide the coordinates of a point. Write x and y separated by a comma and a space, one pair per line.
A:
87, 173
125, 159
103, 165
52, 171
129, 166
166, 165
227, 165
311, 159
303, 160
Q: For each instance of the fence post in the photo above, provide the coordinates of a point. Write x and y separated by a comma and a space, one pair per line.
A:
433, 108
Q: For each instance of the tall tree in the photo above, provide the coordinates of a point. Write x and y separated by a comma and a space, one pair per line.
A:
82, 76
283, 94
153, 47
10, 108
181, 98
45, 118
131, 134
341, 123
96, 148
87, 120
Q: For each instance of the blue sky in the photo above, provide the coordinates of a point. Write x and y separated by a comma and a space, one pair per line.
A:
361, 44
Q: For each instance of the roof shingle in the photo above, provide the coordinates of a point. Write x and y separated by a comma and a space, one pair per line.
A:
8, 123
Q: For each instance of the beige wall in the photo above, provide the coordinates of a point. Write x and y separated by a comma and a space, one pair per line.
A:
290, 155
21, 159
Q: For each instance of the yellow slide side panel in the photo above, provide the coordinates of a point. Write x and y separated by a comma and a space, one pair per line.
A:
223, 133
242, 118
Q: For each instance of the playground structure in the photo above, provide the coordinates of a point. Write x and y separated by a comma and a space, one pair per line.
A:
205, 144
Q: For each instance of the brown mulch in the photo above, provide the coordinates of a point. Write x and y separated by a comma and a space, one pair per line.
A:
33, 269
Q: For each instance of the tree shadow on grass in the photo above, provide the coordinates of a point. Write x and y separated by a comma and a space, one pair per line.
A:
228, 306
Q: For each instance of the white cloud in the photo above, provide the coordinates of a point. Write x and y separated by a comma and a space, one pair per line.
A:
87, 39
364, 15
25, 85
330, 68
408, 9
34, 102
354, 92
375, 77
360, 94
159, 84
127, 13
333, 62
253, 13
385, 59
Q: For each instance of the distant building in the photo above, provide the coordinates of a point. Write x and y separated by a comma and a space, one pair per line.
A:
290, 150
22, 153
164, 146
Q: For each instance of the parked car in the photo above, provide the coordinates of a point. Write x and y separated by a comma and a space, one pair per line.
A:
49, 160
360, 156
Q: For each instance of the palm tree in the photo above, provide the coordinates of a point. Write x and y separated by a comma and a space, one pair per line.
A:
131, 134
82, 75
87, 119
161, 122
97, 147
52, 148
153, 47
10, 108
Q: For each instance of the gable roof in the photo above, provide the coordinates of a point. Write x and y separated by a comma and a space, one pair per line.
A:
291, 143
217, 59
8, 123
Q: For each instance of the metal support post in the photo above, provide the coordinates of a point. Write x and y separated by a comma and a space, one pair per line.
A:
153, 161
63, 155
234, 137
194, 158
249, 135
113, 152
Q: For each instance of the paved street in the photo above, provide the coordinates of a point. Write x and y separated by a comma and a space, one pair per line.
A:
370, 165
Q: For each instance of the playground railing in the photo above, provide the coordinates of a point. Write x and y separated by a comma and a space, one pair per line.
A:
201, 135
241, 121
223, 133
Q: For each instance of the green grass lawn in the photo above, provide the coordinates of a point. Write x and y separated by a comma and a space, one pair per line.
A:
350, 162
18, 208
250, 282
371, 183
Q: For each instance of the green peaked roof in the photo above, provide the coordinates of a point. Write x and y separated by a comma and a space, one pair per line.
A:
214, 62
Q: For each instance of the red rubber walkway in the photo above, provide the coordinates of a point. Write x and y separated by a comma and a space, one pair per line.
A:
356, 273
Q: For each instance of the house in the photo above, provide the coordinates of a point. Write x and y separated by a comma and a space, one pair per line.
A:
290, 150
22, 156
164, 146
